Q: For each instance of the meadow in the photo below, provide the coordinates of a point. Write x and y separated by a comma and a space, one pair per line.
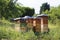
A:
7, 32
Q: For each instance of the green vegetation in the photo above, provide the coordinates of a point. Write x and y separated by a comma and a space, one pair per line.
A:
7, 32
28, 11
54, 24
44, 7
11, 9
54, 15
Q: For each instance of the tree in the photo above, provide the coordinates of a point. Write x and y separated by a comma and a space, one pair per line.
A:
10, 9
44, 7
54, 15
28, 11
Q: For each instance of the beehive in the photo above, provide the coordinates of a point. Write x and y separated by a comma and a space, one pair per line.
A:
17, 24
40, 23
30, 23
37, 24
44, 23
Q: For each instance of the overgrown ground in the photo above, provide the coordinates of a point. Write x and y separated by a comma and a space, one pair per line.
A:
7, 32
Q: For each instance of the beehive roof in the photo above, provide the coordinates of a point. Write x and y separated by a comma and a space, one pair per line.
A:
42, 15
26, 17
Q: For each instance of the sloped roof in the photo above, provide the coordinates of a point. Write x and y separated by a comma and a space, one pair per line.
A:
26, 17
42, 15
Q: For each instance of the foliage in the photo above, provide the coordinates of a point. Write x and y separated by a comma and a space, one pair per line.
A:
8, 8
54, 15
15, 10
10, 34
44, 7
28, 11
11, 9
7, 32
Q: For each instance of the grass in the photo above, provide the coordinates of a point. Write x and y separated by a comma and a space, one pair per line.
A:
5, 27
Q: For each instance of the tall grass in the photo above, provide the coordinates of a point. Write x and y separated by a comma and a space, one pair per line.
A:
7, 32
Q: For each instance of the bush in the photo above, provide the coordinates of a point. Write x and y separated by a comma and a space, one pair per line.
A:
7, 33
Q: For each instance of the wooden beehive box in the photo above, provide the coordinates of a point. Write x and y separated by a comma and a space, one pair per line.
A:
23, 25
44, 23
37, 24
40, 23
17, 25
30, 23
